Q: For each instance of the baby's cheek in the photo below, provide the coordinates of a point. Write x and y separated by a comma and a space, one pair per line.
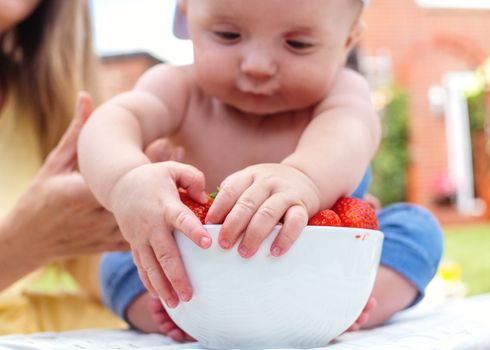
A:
213, 80
305, 95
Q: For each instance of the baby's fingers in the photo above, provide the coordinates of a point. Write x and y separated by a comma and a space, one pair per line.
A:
169, 261
183, 219
142, 274
231, 190
191, 179
154, 275
295, 221
167, 254
240, 216
263, 221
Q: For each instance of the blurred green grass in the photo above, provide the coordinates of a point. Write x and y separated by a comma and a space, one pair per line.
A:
469, 246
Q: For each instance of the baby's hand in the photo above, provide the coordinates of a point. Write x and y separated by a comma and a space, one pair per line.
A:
252, 201
147, 207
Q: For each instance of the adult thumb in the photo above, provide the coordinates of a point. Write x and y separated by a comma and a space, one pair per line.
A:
63, 157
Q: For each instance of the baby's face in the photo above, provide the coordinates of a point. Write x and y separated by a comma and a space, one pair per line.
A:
269, 56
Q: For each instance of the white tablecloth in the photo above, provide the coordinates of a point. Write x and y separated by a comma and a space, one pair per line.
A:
458, 324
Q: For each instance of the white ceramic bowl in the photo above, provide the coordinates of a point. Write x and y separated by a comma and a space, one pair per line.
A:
303, 299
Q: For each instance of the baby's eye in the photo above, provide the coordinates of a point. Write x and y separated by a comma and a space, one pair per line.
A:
227, 36
299, 45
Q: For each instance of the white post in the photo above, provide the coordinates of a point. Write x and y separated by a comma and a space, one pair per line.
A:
459, 140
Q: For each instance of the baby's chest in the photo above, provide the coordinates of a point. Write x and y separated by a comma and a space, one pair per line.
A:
232, 144
219, 149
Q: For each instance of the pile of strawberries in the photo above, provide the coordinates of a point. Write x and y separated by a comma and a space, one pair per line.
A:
346, 212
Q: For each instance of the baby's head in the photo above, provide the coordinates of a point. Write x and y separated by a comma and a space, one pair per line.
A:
270, 56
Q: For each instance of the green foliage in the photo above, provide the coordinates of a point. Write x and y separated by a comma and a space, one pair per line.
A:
477, 111
468, 245
391, 161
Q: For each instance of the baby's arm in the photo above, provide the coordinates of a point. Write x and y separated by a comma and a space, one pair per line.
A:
328, 162
143, 196
337, 146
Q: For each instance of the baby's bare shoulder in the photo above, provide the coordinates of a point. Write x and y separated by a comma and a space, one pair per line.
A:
171, 85
347, 88
162, 74
348, 78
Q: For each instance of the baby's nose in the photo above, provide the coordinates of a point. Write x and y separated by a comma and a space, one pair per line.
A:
258, 64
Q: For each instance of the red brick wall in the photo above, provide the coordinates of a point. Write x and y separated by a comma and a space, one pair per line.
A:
425, 43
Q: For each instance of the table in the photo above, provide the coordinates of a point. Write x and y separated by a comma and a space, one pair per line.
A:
457, 324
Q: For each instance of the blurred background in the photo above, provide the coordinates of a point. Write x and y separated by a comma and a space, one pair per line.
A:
428, 63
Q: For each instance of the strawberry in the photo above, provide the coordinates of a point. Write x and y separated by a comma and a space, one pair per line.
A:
355, 213
197, 208
325, 217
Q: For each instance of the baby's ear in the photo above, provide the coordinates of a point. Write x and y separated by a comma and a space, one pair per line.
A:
355, 34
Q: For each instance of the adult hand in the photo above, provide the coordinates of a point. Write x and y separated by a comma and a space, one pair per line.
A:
57, 217
59, 210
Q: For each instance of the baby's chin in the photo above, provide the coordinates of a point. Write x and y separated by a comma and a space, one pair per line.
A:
261, 109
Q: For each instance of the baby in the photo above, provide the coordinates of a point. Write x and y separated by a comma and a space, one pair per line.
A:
267, 106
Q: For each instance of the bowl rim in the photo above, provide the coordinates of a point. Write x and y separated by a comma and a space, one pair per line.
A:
317, 228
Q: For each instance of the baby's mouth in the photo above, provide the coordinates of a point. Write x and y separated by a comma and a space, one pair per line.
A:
258, 93
266, 90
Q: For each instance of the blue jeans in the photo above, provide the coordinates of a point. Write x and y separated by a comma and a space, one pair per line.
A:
412, 246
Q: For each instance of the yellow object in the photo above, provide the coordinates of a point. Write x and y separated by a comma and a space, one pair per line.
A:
48, 299
450, 271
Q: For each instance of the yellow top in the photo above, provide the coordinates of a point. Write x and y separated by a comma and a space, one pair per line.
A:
48, 299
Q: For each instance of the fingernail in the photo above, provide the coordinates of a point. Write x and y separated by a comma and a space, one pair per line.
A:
225, 244
205, 242
185, 296
243, 250
208, 219
204, 198
171, 302
276, 251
